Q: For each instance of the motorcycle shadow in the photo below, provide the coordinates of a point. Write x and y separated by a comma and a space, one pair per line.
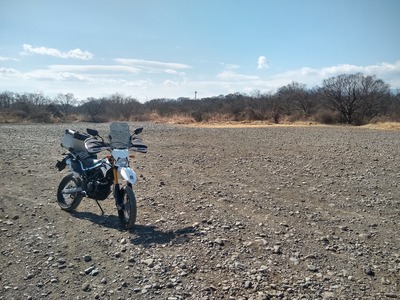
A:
149, 235
109, 221
145, 235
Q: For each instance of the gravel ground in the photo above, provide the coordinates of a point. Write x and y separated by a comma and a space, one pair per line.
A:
223, 213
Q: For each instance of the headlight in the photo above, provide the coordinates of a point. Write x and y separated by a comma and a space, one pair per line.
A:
122, 162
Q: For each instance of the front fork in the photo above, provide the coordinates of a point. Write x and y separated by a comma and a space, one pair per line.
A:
118, 194
117, 189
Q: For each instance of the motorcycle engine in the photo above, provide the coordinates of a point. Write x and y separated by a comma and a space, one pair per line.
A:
97, 186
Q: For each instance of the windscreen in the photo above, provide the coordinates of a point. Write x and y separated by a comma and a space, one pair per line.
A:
119, 135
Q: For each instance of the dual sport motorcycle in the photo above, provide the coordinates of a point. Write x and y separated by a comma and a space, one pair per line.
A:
96, 178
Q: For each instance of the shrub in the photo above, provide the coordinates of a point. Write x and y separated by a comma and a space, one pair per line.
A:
326, 117
41, 117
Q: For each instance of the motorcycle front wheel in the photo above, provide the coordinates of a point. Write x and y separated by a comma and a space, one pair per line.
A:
127, 214
67, 199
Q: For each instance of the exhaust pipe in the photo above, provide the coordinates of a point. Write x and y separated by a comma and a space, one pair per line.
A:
72, 190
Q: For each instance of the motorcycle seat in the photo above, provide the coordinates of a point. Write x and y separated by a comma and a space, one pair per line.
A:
89, 160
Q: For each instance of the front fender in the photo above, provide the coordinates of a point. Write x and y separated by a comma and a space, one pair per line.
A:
128, 174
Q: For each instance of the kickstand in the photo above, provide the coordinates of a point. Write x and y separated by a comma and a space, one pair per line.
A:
102, 211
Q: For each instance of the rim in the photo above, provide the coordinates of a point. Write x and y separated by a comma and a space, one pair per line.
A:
127, 207
69, 198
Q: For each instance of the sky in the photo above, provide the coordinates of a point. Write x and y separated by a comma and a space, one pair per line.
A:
191, 48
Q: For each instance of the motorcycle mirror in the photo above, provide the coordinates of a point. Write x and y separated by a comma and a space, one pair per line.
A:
92, 132
138, 130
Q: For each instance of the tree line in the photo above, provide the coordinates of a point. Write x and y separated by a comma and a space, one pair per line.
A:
353, 99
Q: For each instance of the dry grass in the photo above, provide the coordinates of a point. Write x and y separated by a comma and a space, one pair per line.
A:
217, 121
250, 124
175, 119
383, 126
255, 124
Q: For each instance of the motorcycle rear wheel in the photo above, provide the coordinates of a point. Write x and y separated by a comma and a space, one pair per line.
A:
69, 202
127, 215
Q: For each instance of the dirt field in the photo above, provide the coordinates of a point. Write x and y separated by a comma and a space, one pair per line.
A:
223, 213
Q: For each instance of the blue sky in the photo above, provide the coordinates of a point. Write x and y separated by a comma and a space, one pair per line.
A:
172, 48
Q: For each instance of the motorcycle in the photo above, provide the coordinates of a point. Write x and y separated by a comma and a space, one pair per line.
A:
96, 178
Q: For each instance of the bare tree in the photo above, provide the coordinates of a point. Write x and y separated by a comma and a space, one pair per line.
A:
261, 105
66, 102
286, 99
38, 99
93, 108
353, 95
7, 99
294, 97
120, 106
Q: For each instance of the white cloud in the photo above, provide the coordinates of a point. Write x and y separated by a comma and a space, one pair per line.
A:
262, 62
170, 83
390, 73
229, 75
151, 65
48, 75
139, 83
100, 80
169, 71
383, 68
75, 53
230, 66
65, 73
8, 71
174, 72
93, 68
5, 58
